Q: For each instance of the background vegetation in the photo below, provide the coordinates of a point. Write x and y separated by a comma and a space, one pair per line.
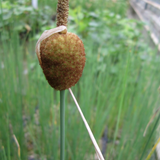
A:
118, 92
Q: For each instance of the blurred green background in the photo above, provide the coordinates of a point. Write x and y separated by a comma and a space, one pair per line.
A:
118, 91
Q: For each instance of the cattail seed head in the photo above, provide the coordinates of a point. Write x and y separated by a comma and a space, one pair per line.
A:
62, 58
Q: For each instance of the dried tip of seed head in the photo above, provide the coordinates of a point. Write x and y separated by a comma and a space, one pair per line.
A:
62, 12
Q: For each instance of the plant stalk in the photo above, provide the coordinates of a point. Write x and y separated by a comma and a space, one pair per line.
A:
62, 125
154, 128
62, 19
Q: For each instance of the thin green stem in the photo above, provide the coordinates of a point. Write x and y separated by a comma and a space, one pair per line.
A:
4, 153
62, 125
154, 127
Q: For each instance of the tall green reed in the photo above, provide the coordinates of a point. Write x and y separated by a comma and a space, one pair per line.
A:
27, 102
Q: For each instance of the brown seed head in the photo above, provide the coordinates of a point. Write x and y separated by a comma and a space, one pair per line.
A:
63, 60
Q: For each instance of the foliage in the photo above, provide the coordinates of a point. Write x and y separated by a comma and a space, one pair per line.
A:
20, 16
118, 91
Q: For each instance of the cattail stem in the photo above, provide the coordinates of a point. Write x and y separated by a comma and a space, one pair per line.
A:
62, 125
62, 12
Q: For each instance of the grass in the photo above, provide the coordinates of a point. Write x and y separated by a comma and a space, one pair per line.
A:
118, 91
